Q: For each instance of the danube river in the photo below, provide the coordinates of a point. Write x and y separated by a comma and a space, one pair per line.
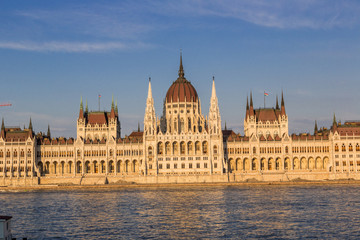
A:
187, 212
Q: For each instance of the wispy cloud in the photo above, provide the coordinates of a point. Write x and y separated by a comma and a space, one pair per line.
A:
72, 47
283, 14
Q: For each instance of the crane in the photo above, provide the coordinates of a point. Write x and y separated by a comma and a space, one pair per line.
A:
5, 104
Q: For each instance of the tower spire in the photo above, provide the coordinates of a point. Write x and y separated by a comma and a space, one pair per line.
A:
2, 124
181, 68
30, 125
277, 102
149, 89
81, 104
86, 107
315, 128
112, 102
81, 112
251, 109
213, 91
48, 132
282, 104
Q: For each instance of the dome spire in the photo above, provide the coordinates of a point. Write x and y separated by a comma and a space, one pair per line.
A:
181, 68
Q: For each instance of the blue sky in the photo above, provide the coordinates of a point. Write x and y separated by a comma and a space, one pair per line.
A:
54, 52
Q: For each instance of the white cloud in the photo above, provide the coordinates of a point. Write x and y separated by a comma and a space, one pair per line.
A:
283, 14
72, 47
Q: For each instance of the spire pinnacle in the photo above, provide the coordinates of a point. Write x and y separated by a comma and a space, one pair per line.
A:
30, 125
81, 104
251, 100
138, 127
116, 107
277, 102
181, 68
112, 102
334, 120
86, 108
2, 124
213, 92
48, 131
225, 126
282, 99
247, 103
316, 128
149, 89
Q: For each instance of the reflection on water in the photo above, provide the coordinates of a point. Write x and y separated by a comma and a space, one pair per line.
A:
237, 212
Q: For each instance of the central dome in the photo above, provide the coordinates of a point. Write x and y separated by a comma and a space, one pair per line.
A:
181, 90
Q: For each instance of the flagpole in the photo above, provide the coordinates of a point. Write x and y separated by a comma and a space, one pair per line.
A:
99, 102
264, 99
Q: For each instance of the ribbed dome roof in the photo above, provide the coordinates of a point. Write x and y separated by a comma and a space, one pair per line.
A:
181, 90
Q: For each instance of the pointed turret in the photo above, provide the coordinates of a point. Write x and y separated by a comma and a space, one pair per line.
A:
282, 104
138, 127
334, 125
149, 118
48, 132
277, 103
86, 107
30, 125
315, 128
213, 91
225, 126
81, 112
116, 108
251, 109
181, 68
247, 108
214, 112
112, 113
3, 129
31, 133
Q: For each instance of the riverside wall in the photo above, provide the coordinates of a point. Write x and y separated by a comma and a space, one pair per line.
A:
176, 179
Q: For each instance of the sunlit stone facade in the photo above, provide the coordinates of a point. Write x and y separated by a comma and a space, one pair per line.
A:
181, 143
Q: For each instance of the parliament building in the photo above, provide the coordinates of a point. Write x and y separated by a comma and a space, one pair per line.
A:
182, 145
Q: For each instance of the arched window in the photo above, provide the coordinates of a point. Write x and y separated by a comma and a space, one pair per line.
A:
197, 147
205, 147
254, 150
190, 147
286, 149
182, 148
215, 149
357, 147
15, 153
150, 152
182, 125
175, 125
175, 148
160, 148
189, 124
22, 154
336, 148
1, 154
350, 148
167, 148
343, 148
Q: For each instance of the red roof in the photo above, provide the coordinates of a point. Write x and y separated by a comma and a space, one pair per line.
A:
267, 114
180, 91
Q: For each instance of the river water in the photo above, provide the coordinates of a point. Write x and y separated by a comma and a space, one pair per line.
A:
187, 212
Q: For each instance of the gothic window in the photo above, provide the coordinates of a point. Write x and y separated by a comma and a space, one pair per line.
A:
197, 147
182, 125
350, 148
175, 148
8, 153
336, 148
175, 125
160, 148
190, 147
15, 153
150, 152
189, 124
254, 150
286, 149
343, 148
22, 153
29, 153
182, 148
215, 149
205, 147
167, 148
357, 147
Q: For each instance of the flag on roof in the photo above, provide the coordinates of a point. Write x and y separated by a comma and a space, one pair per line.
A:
266, 94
